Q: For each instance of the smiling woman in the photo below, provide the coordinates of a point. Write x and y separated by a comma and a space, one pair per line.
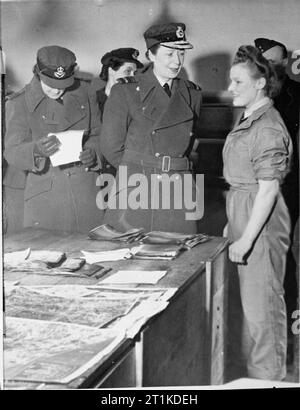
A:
149, 128
256, 157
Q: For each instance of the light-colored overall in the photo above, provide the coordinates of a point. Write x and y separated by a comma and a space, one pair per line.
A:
260, 148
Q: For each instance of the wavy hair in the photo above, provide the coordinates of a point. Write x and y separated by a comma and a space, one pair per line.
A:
259, 67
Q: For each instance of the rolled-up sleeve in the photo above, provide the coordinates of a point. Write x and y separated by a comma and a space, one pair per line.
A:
271, 154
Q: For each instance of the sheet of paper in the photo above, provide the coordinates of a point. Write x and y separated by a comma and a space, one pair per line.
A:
13, 258
136, 276
107, 256
70, 148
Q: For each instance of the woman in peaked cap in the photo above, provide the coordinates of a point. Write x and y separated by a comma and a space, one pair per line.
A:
149, 127
61, 197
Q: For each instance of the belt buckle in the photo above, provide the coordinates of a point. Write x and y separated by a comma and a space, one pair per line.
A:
165, 167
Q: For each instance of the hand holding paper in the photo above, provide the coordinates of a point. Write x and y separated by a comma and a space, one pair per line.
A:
47, 146
69, 149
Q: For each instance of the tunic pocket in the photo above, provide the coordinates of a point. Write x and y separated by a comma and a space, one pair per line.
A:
35, 188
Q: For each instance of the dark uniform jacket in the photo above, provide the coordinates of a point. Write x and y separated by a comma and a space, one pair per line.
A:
55, 197
288, 105
141, 124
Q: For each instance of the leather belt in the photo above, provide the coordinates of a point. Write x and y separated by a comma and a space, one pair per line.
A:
71, 165
165, 163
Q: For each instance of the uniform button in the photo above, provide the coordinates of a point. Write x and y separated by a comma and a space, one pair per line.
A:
157, 154
153, 132
68, 174
44, 117
82, 107
137, 88
143, 108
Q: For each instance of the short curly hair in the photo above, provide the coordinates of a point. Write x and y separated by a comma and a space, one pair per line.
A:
259, 67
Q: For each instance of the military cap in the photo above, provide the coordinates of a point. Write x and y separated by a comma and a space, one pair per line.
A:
56, 66
171, 35
126, 55
264, 44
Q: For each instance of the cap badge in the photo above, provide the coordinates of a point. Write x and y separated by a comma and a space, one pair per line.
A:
60, 72
135, 54
179, 32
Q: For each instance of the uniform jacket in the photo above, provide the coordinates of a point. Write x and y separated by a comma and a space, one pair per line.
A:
31, 115
139, 116
288, 105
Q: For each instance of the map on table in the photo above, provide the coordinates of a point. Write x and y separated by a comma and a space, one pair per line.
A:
90, 306
43, 351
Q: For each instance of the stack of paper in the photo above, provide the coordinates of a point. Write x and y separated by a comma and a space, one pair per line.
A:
107, 256
108, 233
159, 237
136, 276
167, 252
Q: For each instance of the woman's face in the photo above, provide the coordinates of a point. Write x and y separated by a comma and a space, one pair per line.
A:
126, 70
167, 62
245, 89
53, 93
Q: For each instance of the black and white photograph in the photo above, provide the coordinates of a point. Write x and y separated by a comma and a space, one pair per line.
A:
150, 197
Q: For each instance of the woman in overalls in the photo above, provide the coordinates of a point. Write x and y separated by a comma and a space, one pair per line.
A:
256, 158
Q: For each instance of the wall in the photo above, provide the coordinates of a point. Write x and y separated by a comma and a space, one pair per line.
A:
90, 28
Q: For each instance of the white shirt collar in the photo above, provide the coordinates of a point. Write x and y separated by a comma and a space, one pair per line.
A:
163, 82
256, 106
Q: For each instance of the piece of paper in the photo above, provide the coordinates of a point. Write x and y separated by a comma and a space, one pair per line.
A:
13, 258
136, 276
70, 147
107, 256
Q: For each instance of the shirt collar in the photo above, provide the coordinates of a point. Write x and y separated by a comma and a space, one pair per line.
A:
163, 82
256, 106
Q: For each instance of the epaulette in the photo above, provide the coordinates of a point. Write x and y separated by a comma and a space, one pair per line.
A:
82, 78
126, 80
14, 95
193, 86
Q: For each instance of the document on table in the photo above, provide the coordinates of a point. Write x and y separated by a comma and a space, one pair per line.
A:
136, 276
107, 256
69, 149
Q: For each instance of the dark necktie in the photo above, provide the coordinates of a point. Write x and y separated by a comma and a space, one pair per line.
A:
167, 89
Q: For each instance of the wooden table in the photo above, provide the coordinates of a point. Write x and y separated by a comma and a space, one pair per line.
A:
182, 346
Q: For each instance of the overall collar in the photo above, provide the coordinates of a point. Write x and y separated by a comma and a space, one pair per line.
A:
255, 115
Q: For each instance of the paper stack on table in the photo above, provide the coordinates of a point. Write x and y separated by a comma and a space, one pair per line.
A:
166, 252
107, 256
160, 237
135, 276
108, 233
